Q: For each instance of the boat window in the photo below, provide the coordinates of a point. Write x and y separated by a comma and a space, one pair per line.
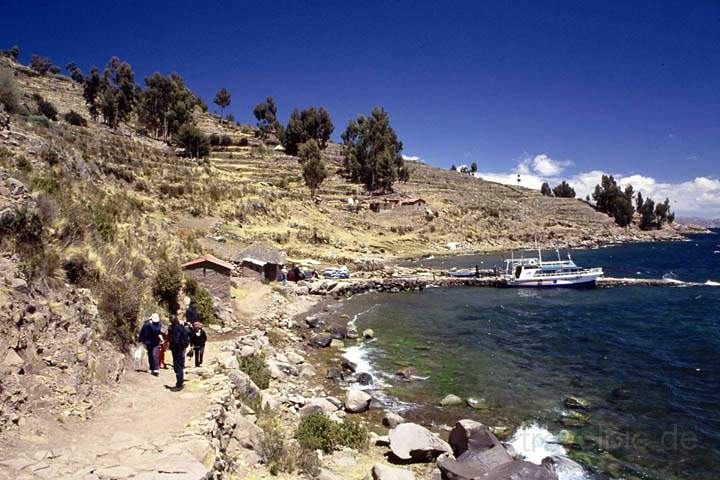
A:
518, 269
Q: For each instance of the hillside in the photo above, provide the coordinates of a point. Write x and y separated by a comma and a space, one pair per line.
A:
244, 194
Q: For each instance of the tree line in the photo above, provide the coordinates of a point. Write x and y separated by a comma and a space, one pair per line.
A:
621, 204
165, 107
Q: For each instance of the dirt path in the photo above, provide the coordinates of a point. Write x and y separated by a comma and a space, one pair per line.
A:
142, 424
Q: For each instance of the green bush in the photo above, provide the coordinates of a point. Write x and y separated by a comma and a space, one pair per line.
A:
193, 141
120, 303
9, 96
203, 300
274, 449
167, 285
74, 118
318, 432
79, 270
254, 366
45, 108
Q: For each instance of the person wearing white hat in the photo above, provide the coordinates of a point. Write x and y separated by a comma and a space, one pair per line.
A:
151, 336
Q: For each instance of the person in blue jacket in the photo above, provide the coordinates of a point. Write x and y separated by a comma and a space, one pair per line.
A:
179, 340
151, 336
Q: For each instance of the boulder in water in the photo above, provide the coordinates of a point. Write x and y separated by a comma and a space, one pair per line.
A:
450, 400
574, 418
357, 401
392, 419
576, 403
321, 340
368, 333
406, 373
563, 466
364, 378
477, 403
410, 441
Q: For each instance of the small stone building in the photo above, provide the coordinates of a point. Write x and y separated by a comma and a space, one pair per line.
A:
212, 273
262, 261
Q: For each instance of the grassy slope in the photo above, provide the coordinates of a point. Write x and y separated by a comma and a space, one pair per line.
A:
244, 194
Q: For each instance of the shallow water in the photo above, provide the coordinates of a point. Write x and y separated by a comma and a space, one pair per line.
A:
647, 358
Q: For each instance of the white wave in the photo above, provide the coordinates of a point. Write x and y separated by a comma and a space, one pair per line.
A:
535, 443
710, 283
353, 322
358, 355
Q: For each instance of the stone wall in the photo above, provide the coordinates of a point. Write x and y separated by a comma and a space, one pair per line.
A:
216, 279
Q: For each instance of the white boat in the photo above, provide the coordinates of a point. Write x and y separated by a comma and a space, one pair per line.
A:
537, 273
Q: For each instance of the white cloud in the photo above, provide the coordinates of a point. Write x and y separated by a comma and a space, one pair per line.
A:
695, 197
412, 158
547, 167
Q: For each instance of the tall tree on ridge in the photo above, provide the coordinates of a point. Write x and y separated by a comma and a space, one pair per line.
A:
222, 100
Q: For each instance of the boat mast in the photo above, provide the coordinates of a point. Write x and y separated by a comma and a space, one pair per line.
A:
539, 252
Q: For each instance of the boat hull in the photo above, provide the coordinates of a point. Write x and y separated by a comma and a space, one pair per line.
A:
582, 282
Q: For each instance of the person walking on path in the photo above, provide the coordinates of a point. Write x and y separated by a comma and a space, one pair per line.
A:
191, 314
151, 336
198, 337
163, 348
179, 341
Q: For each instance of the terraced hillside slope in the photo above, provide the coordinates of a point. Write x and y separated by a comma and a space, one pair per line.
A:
243, 194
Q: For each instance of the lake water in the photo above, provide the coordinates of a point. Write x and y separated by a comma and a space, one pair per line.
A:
646, 358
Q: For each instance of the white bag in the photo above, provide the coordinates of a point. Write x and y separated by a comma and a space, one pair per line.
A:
139, 358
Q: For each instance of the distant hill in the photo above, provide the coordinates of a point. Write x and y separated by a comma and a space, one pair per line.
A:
702, 222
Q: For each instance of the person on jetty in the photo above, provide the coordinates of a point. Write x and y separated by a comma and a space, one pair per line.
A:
179, 341
151, 336
198, 337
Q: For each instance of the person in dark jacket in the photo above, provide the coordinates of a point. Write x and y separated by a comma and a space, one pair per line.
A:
191, 314
198, 337
151, 336
179, 341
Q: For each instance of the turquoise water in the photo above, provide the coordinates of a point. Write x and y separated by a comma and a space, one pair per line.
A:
646, 358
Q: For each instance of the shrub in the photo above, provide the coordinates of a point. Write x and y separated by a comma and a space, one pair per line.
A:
9, 96
50, 156
225, 141
274, 449
74, 118
26, 228
203, 300
40, 64
243, 142
353, 434
214, 140
79, 270
193, 141
254, 366
318, 432
120, 303
167, 285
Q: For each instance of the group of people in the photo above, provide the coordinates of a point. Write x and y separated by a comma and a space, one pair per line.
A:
177, 337
295, 274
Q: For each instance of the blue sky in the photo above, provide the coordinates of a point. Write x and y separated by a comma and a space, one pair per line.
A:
629, 88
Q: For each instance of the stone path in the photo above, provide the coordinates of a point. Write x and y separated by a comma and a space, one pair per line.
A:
142, 431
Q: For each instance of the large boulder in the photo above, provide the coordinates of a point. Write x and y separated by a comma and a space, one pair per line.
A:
471, 435
386, 472
563, 466
321, 340
392, 419
409, 441
477, 450
521, 470
357, 401
244, 387
318, 405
